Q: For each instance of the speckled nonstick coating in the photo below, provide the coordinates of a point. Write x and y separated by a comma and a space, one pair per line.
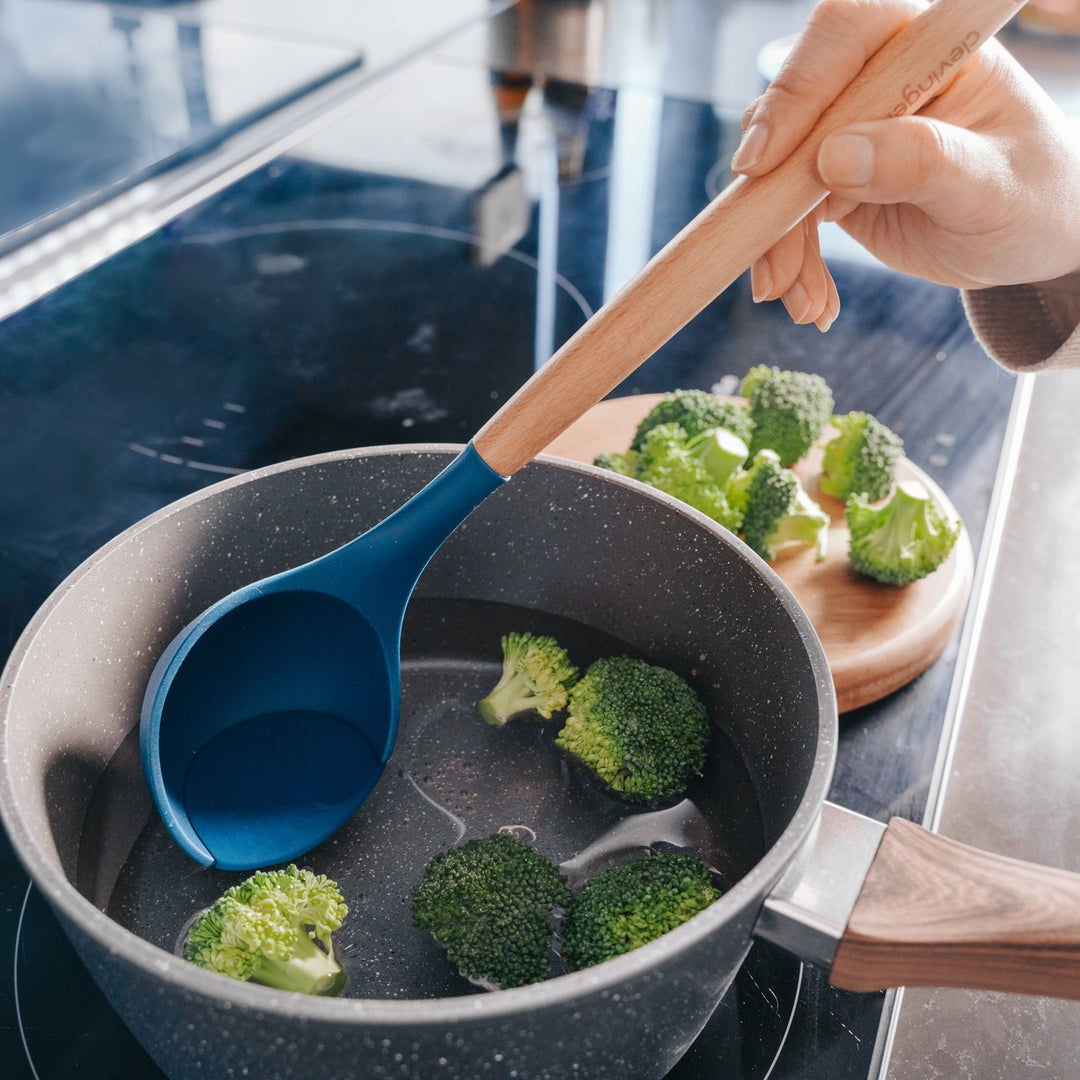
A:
603, 561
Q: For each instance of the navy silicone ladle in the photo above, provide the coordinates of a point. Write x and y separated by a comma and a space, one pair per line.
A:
270, 718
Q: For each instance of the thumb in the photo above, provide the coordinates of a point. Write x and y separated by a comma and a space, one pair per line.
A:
934, 166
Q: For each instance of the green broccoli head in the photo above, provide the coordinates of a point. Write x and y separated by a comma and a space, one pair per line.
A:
861, 459
536, 676
758, 374
624, 464
639, 728
695, 411
668, 463
273, 928
775, 508
633, 903
790, 410
490, 902
903, 539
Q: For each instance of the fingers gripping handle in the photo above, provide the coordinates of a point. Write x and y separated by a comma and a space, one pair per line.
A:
737, 228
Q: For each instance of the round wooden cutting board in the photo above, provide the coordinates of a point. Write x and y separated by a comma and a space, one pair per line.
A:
876, 637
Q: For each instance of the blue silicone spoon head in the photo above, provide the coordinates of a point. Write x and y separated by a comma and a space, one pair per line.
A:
269, 719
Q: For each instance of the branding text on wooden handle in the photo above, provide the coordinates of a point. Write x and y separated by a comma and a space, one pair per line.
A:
914, 94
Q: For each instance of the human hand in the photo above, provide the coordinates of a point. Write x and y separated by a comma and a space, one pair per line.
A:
981, 188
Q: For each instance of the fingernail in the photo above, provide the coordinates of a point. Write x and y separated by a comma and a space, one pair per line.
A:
846, 161
797, 302
750, 148
760, 281
825, 320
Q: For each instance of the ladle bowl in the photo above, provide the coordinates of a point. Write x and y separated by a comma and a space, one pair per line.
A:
270, 717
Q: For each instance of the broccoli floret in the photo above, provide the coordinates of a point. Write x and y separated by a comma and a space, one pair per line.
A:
693, 468
273, 928
633, 903
490, 902
776, 509
806, 523
903, 539
862, 459
623, 464
639, 728
667, 463
695, 411
536, 677
790, 410
758, 374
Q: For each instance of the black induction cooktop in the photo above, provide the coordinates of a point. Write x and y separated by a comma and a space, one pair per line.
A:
314, 306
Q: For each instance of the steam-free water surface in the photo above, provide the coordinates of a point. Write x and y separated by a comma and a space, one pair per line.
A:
452, 777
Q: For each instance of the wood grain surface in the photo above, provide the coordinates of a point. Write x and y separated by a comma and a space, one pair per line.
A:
935, 912
876, 637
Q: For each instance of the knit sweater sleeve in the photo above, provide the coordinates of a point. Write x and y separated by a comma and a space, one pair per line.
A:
1032, 327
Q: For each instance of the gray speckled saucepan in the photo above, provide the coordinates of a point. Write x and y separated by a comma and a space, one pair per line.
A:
605, 564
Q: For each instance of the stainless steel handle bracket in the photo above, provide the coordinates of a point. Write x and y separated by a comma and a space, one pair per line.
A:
807, 911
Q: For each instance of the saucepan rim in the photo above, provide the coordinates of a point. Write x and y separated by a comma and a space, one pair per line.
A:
166, 967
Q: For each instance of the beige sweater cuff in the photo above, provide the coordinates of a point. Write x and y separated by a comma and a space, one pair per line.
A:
1028, 327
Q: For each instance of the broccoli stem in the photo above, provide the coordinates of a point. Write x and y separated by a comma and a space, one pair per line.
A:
510, 696
309, 970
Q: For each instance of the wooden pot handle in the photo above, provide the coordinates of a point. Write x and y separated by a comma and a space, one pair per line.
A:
934, 912
739, 226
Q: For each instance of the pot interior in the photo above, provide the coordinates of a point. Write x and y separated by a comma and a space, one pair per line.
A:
452, 777
604, 566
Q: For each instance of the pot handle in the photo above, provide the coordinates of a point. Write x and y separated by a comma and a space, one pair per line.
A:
935, 912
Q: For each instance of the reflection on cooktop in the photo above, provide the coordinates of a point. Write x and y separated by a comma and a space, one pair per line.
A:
95, 97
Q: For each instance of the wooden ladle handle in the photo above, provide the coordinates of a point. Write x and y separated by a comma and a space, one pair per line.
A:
934, 912
739, 226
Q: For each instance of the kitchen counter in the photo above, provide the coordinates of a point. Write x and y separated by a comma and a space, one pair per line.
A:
331, 200
1007, 778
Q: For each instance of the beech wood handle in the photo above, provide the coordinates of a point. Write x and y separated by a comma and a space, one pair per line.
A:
934, 912
739, 226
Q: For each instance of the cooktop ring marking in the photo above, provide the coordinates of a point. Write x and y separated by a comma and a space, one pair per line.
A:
187, 463
790, 1021
270, 228
15, 983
